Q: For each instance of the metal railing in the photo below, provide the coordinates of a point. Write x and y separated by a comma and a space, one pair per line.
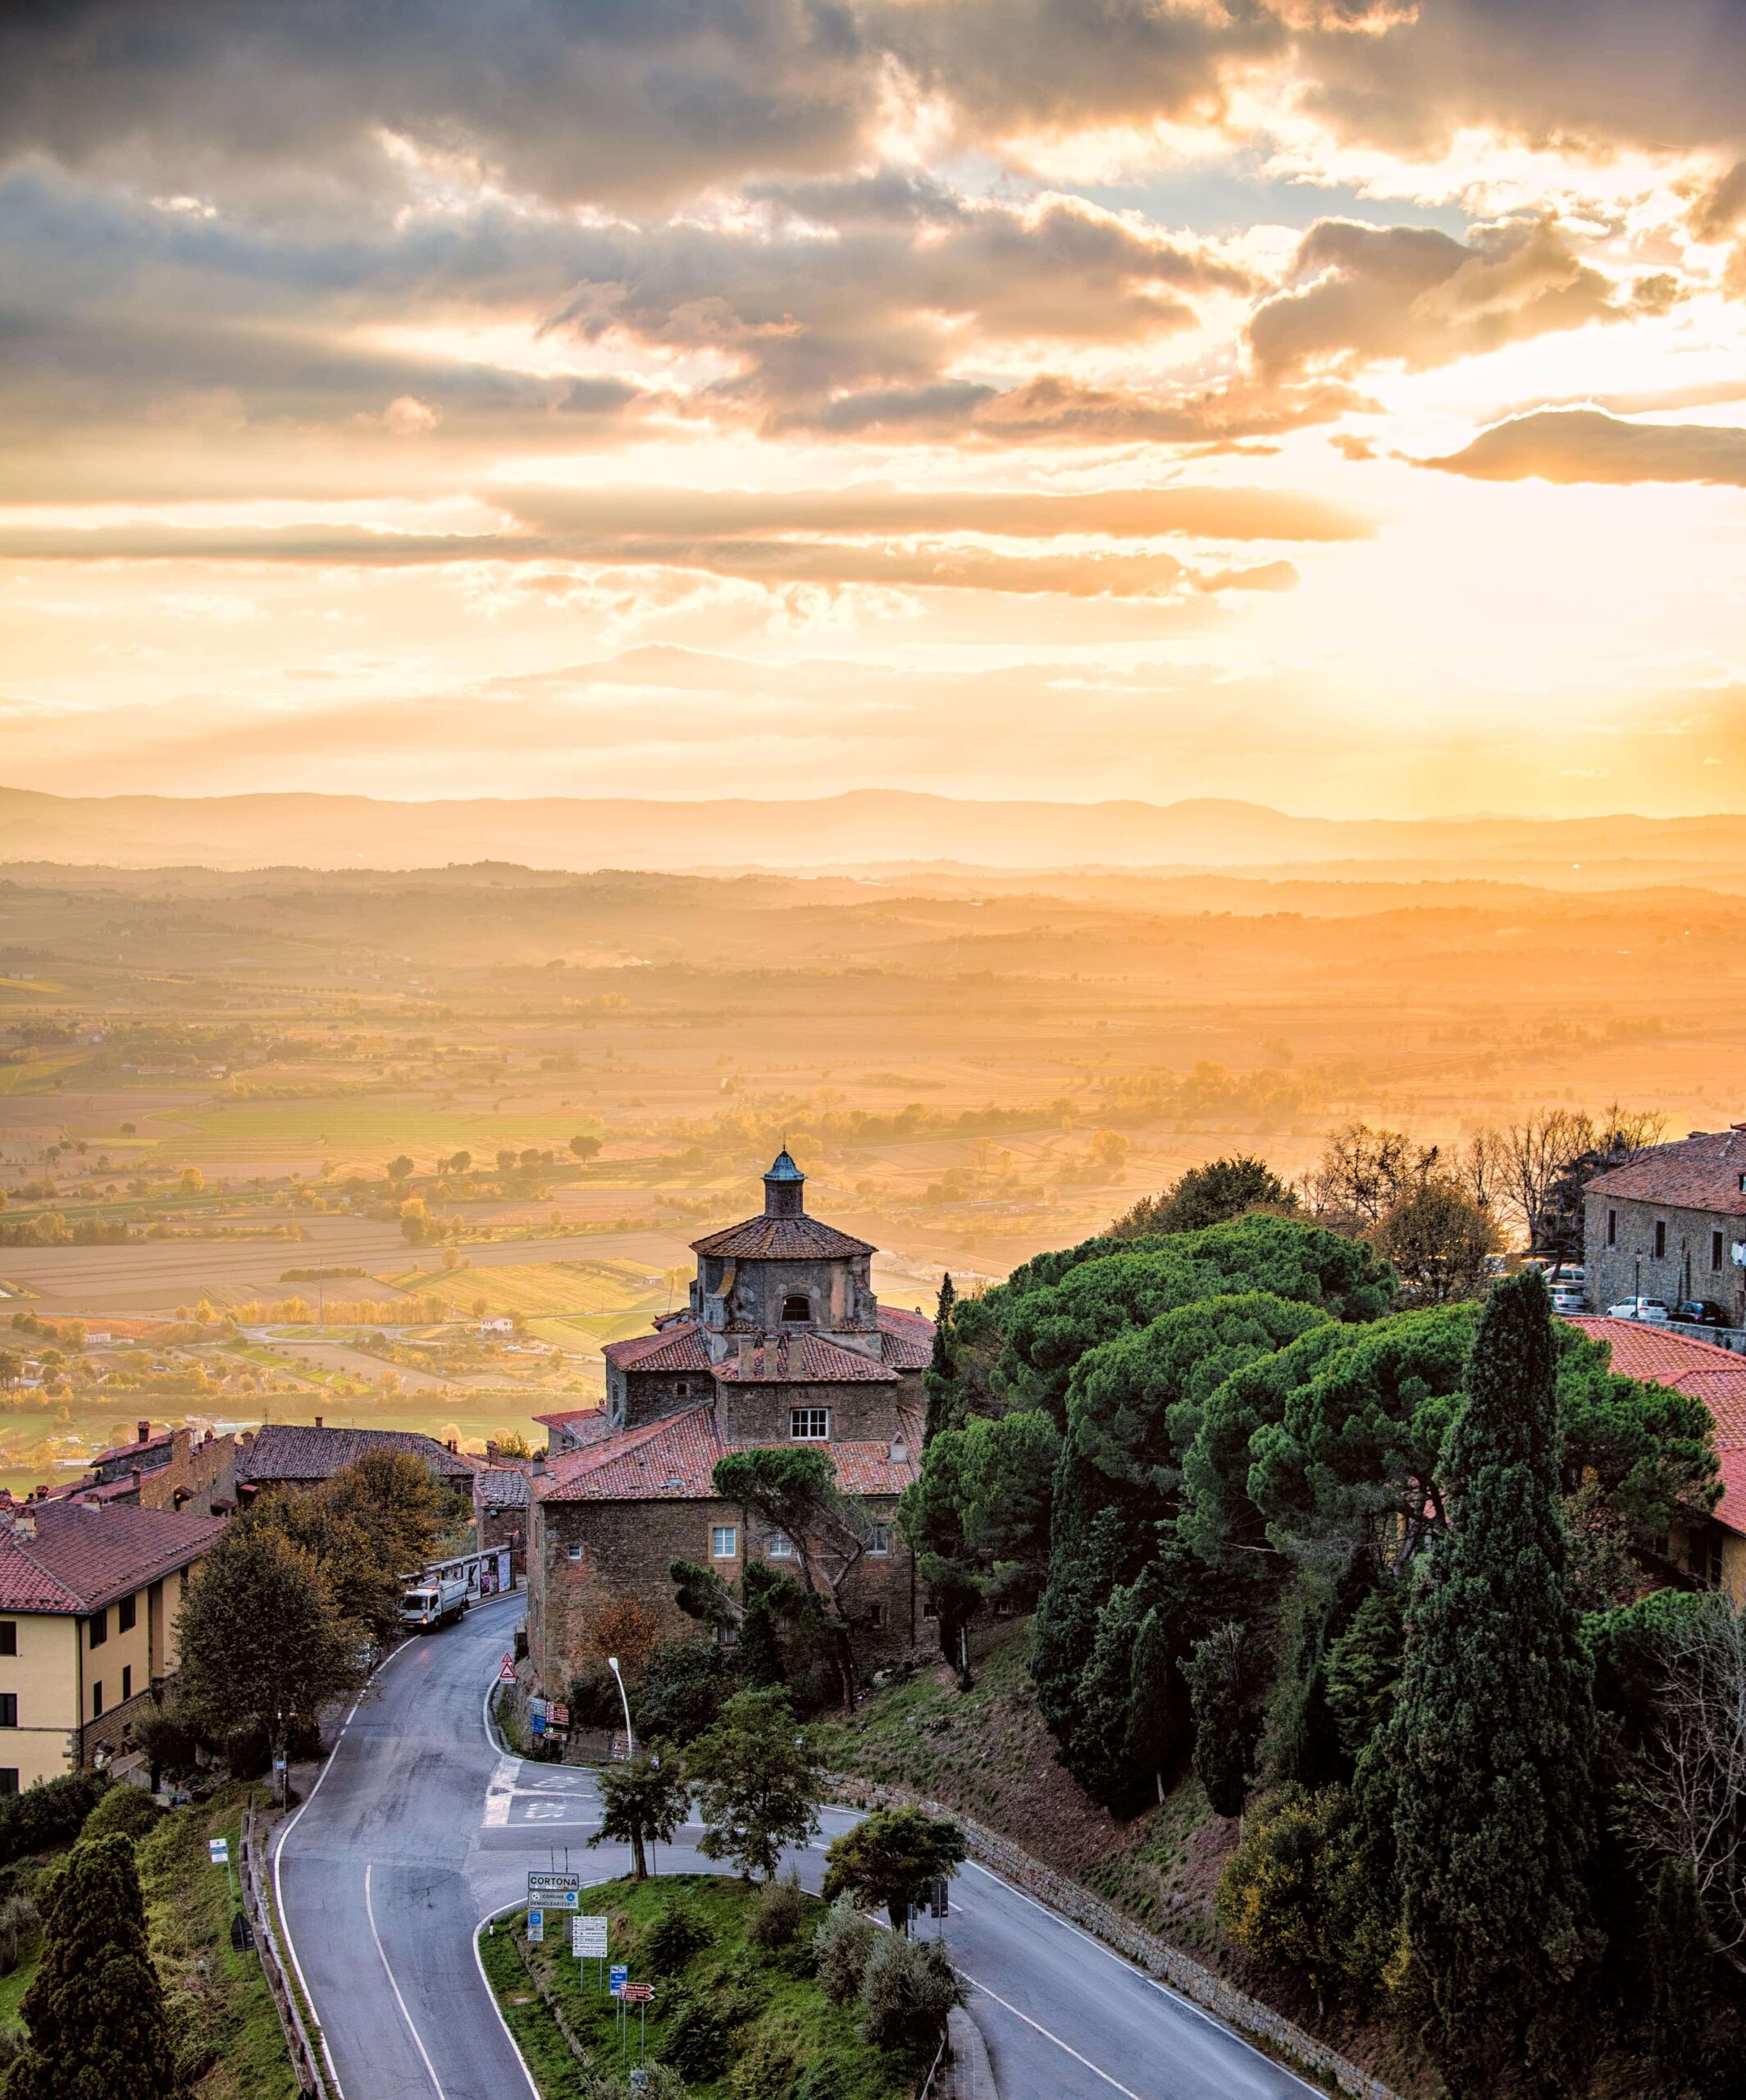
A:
305, 2060
930, 2090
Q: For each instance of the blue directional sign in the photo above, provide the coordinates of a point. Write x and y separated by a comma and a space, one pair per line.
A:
617, 1977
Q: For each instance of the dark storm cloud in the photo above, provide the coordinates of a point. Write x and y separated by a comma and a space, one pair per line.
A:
1581, 445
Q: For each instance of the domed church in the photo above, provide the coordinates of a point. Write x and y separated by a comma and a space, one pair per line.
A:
783, 1342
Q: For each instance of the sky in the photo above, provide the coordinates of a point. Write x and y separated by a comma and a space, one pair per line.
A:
1331, 404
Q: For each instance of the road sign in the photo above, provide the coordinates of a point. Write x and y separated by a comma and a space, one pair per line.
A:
639, 1993
241, 1934
535, 1928
558, 1714
218, 1851
588, 1938
537, 1707
537, 1721
937, 1902
506, 1669
556, 1892
617, 1977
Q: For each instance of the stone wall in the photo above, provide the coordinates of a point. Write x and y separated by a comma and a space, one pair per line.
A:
1630, 1263
1155, 1956
863, 1411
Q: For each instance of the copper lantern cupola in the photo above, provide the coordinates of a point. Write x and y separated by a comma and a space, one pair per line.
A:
784, 1187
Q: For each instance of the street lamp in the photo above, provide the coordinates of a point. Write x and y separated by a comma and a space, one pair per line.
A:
630, 1740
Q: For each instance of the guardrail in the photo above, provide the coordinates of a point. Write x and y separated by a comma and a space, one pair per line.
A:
305, 2060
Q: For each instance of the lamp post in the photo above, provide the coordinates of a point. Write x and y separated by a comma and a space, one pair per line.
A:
630, 1740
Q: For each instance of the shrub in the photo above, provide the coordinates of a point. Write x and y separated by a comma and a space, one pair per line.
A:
842, 1944
776, 1921
128, 1810
908, 1987
52, 1812
697, 2039
11, 2046
771, 2066
683, 1694
660, 2082
826, 2078
594, 1699
18, 1914
673, 1938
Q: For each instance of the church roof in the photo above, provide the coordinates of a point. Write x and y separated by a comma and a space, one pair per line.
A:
793, 1356
797, 1358
673, 1348
673, 1460
767, 1239
907, 1338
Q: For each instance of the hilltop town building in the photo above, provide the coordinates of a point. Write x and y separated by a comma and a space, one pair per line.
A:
1671, 1224
783, 1342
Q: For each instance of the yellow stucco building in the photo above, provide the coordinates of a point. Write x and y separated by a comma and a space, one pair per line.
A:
89, 1599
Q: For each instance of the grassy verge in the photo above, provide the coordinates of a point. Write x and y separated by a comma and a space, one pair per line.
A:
775, 2030
226, 2029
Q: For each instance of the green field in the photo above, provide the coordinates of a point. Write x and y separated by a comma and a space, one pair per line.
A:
535, 1288
344, 1131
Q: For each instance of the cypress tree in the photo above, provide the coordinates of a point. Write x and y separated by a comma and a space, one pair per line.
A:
1485, 1768
95, 2010
940, 1381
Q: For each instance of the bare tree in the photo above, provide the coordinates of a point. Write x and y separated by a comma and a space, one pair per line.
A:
1482, 1166
1688, 1801
1362, 1176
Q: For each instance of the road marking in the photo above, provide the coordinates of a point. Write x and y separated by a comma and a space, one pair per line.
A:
502, 1911
500, 1792
1047, 2036
370, 1913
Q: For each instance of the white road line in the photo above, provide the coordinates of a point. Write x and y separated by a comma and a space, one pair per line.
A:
1164, 1990
370, 1913
486, 1981
1047, 2036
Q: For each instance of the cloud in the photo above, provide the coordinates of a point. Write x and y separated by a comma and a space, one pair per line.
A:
1581, 445
1411, 295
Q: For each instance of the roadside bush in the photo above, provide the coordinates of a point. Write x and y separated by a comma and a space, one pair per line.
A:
826, 2078
842, 1944
673, 1938
593, 1699
11, 2046
53, 1812
661, 2083
167, 1741
771, 2066
697, 2038
18, 1914
776, 1922
128, 1810
687, 1684
907, 1989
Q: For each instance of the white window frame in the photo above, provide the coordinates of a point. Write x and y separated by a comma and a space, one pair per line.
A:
724, 1541
879, 1541
781, 1547
810, 1434
575, 1552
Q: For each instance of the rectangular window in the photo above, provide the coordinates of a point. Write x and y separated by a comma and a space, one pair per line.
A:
1661, 1238
97, 1700
127, 1681
879, 1540
1612, 1228
1715, 1250
781, 1546
876, 1614
8, 1636
810, 1425
683, 1388
125, 1614
724, 1541
8, 1710
98, 1623
8, 1778
576, 1553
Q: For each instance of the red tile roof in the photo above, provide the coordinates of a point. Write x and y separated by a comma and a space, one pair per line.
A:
1699, 1173
676, 1348
908, 1338
801, 1358
673, 1460
1715, 1376
1732, 1509
573, 1421
767, 1239
160, 1442
287, 1451
83, 1558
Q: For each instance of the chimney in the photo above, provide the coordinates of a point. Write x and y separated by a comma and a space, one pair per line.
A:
318, 1421
139, 1475
144, 1429
206, 1439
24, 1525
490, 1451
452, 1447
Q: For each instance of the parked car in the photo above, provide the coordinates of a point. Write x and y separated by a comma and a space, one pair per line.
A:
1651, 1309
1568, 1298
1701, 1311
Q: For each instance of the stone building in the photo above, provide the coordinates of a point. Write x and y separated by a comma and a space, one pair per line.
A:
287, 1454
1671, 1224
783, 1342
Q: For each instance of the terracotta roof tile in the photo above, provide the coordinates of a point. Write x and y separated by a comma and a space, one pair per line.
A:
575, 1422
676, 1348
503, 1487
84, 1557
801, 1358
1715, 1376
908, 1338
161, 1442
1732, 1509
287, 1451
670, 1460
767, 1239
1700, 1173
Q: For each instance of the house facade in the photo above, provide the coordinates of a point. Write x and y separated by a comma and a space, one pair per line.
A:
783, 1342
1671, 1224
89, 1599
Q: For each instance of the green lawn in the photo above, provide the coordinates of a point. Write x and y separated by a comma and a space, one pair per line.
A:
779, 2025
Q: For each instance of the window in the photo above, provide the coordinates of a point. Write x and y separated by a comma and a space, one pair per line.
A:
1705, 1557
98, 1623
876, 1614
127, 1681
810, 1425
879, 1540
795, 1306
682, 1387
8, 1778
1661, 1238
724, 1542
9, 1712
781, 1546
1715, 1250
97, 1700
127, 1612
1612, 1228
576, 1553
8, 1636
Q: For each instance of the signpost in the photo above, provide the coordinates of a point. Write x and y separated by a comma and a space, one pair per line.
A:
506, 1669
218, 1851
556, 1892
535, 1928
618, 1977
588, 1938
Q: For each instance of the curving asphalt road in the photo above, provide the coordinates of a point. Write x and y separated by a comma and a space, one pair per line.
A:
418, 1827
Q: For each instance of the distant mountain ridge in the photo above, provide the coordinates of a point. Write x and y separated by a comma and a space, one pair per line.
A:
866, 827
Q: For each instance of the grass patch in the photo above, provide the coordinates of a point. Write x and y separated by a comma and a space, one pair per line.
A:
529, 1287
777, 2031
